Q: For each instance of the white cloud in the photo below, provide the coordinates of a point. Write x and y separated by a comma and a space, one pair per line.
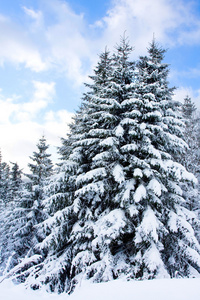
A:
13, 109
19, 139
37, 16
42, 96
17, 47
7, 107
169, 22
69, 45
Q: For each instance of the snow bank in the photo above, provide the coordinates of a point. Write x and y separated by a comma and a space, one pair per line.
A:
159, 289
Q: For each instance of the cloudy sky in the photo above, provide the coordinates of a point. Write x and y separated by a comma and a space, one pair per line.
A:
49, 47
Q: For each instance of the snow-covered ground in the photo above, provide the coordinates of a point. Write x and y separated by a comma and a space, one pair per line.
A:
160, 289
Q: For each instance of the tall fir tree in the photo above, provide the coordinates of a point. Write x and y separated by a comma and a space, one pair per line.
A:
163, 245
64, 205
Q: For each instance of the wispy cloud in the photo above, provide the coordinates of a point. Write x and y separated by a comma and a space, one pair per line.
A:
19, 141
17, 47
36, 16
69, 45
14, 110
169, 21
20, 129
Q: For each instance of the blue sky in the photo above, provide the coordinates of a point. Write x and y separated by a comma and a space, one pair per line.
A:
49, 47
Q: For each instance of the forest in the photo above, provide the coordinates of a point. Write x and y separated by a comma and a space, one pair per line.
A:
124, 200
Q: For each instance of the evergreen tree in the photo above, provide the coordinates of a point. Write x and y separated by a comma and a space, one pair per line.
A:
42, 166
188, 108
136, 225
41, 169
190, 158
20, 234
163, 239
4, 182
34, 193
64, 204
15, 181
8, 228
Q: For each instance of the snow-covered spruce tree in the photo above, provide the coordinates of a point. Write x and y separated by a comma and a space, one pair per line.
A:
64, 205
91, 154
101, 222
9, 221
21, 225
10, 181
41, 169
164, 241
15, 181
62, 186
34, 194
190, 158
131, 217
4, 182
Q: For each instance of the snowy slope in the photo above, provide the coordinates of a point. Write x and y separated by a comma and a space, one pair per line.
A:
160, 289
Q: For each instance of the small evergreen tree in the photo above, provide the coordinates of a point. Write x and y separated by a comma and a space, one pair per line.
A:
15, 181
190, 158
4, 182
188, 108
20, 227
12, 194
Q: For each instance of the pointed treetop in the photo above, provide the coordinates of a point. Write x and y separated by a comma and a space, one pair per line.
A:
156, 53
188, 108
124, 47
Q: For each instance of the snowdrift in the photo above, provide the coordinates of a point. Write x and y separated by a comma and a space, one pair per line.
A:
159, 289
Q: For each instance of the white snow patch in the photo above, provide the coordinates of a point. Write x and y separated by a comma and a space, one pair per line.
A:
172, 223
148, 228
179, 171
155, 187
157, 289
109, 227
118, 174
101, 156
133, 210
96, 187
98, 172
137, 173
153, 260
129, 185
129, 147
110, 141
119, 131
140, 193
